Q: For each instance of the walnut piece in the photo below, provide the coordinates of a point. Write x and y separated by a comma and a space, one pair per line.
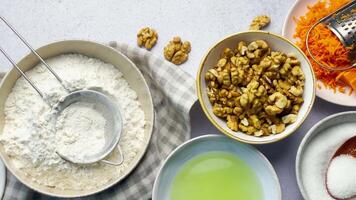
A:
256, 90
259, 22
177, 51
147, 37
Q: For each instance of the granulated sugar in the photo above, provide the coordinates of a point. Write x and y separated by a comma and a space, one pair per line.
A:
316, 158
29, 135
342, 177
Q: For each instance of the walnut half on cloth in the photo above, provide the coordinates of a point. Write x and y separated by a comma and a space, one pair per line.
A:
177, 51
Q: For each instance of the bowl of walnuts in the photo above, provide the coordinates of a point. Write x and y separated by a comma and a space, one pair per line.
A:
256, 87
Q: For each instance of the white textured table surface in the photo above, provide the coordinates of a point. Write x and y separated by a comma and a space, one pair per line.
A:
201, 22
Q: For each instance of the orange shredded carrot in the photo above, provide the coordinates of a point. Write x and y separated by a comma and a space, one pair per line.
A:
341, 90
324, 45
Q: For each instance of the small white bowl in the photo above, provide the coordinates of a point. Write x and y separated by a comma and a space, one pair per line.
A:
276, 43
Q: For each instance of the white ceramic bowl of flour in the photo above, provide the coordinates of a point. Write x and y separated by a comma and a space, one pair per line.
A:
316, 150
110, 61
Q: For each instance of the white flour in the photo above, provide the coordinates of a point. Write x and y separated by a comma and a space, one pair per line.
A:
29, 135
80, 131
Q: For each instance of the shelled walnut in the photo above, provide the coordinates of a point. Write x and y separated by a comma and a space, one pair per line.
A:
147, 37
177, 51
256, 90
259, 22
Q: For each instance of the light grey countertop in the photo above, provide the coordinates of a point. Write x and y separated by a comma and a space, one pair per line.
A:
201, 22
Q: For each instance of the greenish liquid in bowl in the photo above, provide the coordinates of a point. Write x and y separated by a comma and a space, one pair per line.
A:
216, 176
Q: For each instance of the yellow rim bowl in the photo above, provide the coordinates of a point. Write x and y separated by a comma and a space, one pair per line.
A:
277, 43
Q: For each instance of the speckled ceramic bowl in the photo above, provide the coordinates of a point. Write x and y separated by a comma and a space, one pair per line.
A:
211, 143
276, 43
90, 49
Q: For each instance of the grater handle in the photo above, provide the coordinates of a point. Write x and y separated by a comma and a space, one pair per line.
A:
325, 19
327, 67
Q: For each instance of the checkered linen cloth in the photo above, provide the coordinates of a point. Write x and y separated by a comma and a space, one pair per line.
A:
173, 93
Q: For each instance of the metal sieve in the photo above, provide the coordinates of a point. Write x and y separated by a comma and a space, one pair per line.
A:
342, 23
113, 114
112, 117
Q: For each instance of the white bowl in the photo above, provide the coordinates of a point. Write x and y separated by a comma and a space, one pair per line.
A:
276, 43
91, 49
299, 9
211, 143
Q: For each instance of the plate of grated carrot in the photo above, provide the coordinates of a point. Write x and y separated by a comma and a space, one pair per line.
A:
338, 87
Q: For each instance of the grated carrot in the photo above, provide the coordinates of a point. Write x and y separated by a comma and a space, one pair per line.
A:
324, 45
341, 90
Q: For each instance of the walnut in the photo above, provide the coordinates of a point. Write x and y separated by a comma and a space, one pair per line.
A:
244, 100
256, 90
297, 71
289, 119
273, 110
255, 121
147, 38
261, 91
177, 51
262, 44
232, 122
244, 122
218, 110
295, 108
259, 22
237, 110
227, 53
226, 77
252, 46
186, 48
258, 133
179, 57
279, 100
277, 128
221, 62
296, 91
211, 75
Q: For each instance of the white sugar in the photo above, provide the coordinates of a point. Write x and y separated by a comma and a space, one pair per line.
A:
316, 158
341, 177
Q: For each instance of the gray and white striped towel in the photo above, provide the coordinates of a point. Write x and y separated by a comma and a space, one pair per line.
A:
173, 92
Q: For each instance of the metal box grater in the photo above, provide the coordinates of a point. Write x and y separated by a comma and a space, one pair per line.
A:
343, 24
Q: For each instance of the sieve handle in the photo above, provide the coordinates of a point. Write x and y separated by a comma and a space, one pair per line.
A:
32, 49
21, 72
115, 163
